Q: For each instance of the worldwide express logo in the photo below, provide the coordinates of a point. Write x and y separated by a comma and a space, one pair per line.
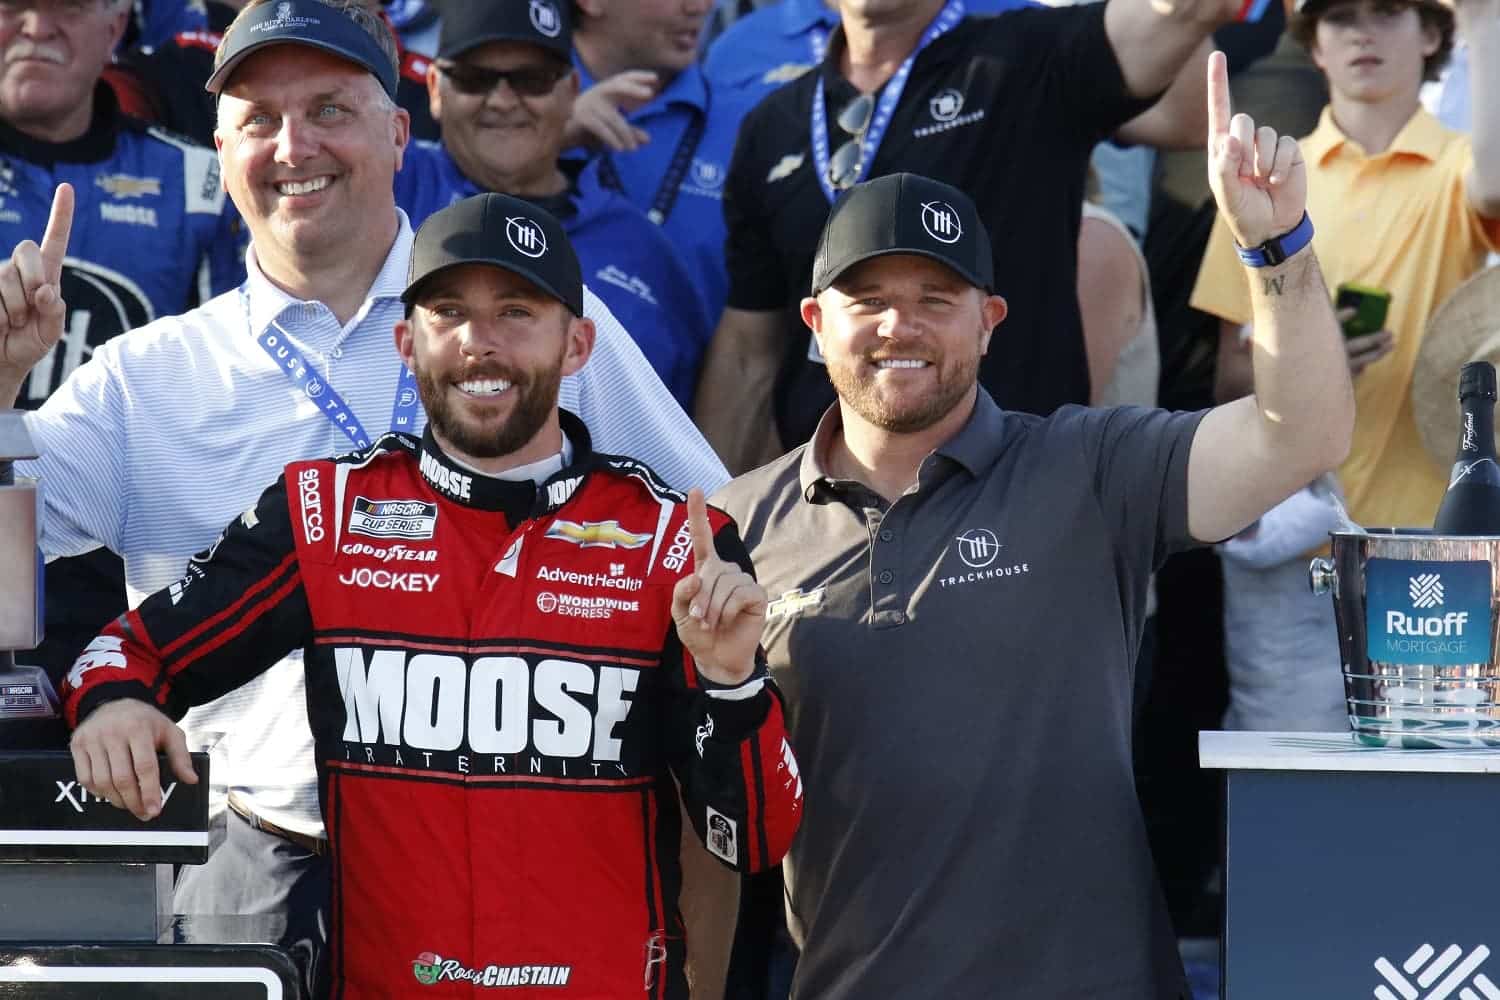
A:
1432, 613
430, 969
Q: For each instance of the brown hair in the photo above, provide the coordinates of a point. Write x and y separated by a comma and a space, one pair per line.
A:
1304, 27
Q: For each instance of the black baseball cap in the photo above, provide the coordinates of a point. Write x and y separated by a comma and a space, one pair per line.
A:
303, 22
473, 23
904, 213
501, 231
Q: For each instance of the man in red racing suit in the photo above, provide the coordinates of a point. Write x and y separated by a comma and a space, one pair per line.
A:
501, 693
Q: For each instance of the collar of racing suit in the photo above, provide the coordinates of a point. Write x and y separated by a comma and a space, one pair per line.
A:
517, 500
97, 144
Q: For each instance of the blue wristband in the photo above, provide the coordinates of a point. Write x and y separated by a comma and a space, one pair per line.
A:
1274, 251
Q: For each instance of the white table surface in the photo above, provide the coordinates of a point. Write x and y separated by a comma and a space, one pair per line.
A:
1257, 751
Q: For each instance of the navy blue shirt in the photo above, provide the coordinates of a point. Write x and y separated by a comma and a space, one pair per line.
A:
776, 44
694, 215
153, 233
627, 261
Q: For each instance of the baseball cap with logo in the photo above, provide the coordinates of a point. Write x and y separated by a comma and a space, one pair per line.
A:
302, 22
473, 23
501, 231
904, 213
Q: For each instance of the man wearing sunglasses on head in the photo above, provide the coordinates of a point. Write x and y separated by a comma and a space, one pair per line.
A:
1007, 109
503, 86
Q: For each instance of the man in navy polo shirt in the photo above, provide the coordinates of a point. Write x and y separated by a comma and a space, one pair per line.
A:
502, 88
677, 177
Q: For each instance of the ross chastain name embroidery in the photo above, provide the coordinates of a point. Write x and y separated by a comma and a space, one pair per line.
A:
994, 573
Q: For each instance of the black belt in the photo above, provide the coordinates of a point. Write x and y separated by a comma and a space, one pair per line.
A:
313, 845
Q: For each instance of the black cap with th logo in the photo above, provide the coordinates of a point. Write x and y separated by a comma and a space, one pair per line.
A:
904, 213
502, 231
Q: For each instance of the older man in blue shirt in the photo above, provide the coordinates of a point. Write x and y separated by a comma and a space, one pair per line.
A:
503, 89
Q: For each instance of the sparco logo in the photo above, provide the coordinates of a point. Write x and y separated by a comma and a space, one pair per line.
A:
1425, 975
430, 968
940, 219
495, 704
554, 575
682, 547
394, 553
312, 505
1426, 590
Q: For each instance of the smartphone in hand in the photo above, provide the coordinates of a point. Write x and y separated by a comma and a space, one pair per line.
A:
1370, 307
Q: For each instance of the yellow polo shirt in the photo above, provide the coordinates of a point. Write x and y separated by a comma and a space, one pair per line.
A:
1398, 221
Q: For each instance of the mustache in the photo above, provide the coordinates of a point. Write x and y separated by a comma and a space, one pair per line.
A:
23, 48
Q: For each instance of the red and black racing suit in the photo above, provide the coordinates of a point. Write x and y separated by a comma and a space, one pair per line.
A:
499, 702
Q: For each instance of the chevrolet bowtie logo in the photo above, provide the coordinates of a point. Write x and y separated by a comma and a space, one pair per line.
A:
126, 186
597, 534
794, 602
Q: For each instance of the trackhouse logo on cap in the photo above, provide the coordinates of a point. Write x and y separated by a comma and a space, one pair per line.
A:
544, 18
526, 236
940, 219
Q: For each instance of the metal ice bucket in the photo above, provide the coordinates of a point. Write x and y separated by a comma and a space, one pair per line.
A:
1417, 615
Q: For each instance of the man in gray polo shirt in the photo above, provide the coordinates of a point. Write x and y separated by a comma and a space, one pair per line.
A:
958, 594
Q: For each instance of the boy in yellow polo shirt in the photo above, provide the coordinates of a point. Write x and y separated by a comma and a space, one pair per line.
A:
1399, 202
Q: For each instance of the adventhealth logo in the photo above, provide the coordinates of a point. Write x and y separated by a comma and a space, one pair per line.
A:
1426, 590
1425, 977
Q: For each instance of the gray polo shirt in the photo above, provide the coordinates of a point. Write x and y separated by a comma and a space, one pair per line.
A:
957, 670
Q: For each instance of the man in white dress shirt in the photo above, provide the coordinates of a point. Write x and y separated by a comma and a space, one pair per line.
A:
170, 430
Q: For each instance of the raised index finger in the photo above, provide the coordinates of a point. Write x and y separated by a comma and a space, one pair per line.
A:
703, 535
59, 227
1218, 95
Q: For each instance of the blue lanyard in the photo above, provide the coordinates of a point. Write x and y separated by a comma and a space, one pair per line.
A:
948, 17
278, 345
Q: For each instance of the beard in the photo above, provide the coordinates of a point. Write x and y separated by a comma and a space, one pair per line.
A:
536, 398
863, 395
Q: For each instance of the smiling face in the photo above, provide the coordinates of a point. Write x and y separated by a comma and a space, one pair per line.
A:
503, 140
902, 335
310, 145
51, 55
489, 349
1373, 51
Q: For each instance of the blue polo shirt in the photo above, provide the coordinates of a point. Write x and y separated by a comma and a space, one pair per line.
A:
627, 261
695, 220
774, 45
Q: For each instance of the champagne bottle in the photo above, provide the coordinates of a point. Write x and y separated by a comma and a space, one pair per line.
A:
1472, 504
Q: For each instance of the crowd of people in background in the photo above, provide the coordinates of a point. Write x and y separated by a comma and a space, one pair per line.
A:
693, 153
